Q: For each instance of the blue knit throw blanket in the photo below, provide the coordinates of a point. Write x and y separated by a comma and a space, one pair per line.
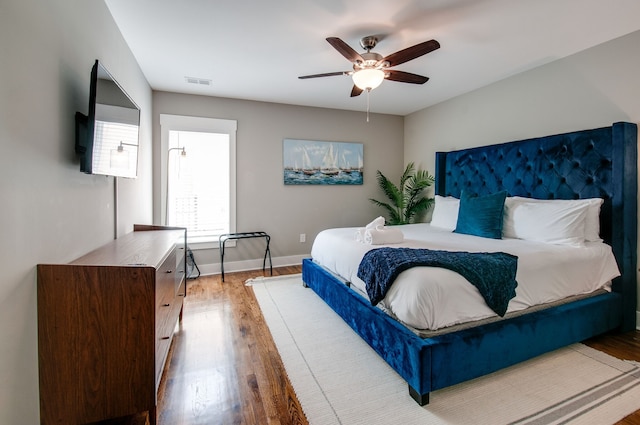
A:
493, 273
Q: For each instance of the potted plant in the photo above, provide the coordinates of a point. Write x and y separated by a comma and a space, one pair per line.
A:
406, 199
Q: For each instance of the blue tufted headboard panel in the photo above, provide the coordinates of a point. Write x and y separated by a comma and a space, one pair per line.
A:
600, 163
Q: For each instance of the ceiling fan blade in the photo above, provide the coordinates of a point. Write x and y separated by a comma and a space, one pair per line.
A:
355, 91
410, 53
326, 74
345, 50
405, 77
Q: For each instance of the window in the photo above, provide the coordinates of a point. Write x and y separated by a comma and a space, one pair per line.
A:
199, 175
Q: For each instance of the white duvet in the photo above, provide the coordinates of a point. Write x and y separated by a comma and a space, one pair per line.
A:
433, 298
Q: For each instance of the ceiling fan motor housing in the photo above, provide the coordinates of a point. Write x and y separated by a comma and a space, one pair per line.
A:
370, 61
369, 42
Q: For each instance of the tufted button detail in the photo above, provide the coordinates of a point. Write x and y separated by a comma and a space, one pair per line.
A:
548, 168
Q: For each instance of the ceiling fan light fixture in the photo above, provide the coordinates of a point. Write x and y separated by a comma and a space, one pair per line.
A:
368, 78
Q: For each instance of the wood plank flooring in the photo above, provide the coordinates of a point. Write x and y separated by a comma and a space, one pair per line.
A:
224, 367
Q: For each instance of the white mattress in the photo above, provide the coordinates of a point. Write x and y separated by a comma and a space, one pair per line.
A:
433, 298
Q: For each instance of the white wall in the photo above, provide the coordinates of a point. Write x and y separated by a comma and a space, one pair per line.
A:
264, 202
52, 213
591, 89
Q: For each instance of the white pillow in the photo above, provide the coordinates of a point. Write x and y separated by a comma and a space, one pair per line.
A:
592, 219
551, 222
445, 212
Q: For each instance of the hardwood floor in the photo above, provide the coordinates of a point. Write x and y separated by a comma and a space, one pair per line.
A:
224, 367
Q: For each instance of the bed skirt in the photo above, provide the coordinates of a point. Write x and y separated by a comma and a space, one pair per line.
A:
428, 364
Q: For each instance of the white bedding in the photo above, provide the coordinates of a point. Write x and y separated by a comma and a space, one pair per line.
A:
433, 298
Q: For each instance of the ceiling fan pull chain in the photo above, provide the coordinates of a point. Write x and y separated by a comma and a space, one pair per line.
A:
368, 91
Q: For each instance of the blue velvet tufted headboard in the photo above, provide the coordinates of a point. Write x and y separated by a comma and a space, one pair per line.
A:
600, 163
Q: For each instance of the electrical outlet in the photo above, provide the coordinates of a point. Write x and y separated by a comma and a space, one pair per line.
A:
303, 237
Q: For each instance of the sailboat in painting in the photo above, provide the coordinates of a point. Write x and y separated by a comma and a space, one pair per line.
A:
307, 168
330, 162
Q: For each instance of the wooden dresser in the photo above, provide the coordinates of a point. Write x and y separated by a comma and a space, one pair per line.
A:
105, 324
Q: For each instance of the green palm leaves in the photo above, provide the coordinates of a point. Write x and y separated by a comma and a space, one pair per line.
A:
406, 200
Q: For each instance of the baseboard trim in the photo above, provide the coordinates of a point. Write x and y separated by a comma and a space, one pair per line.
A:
240, 266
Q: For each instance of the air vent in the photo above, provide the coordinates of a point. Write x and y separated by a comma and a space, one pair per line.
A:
201, 81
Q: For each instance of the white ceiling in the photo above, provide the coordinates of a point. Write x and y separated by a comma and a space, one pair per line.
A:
256, 49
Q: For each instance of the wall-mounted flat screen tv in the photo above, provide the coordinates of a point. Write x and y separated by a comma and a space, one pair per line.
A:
107, 138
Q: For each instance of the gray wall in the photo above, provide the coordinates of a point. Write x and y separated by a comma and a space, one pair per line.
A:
264, 202
591, 89
52, 213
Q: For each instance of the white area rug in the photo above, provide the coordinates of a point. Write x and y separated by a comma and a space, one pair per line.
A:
339, 379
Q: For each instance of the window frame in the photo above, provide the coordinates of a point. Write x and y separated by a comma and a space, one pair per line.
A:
169, 123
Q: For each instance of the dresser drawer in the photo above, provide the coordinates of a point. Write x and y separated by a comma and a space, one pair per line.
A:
166, 320
162, 349
167, 315
165, 282
181, 273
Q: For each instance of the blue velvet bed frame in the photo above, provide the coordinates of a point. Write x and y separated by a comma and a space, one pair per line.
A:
591, 163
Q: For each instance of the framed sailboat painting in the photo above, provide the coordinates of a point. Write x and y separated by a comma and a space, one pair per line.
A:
319, 162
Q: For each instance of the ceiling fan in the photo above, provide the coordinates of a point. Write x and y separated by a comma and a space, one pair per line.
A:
370, 68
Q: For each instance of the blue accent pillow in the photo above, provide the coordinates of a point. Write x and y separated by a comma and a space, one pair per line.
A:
481, 215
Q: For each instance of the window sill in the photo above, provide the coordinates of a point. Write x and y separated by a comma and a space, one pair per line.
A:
209, 242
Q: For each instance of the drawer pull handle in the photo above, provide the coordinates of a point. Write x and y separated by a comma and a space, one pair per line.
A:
169, 271
166, 305
165, 337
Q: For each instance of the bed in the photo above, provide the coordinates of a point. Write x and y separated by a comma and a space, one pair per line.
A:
595, 163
